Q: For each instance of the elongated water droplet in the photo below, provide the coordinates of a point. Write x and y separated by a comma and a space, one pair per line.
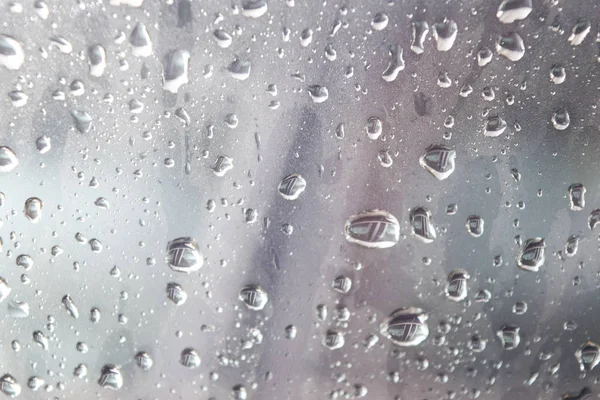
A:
141, 44
175, 70
395, 65
421, 224
475, 225
577, 196
374, 128
579, 32
70, 306
588, 356
8, 159
444, 33
456, 287
97, 60
419, 33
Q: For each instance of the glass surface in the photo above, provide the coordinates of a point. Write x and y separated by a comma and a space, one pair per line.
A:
290, 199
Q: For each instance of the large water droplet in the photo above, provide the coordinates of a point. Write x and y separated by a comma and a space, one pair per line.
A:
239, 70
82, 119
143, 360
183, 255
318, 93
11, 52
421, 224
456, 287
254, 8
176, 294
511, 46
510, 11
8, 159
579, 32
561, 119
588, 356
376, 229
254, 297
175, 70
97, 60
475, 225
577, 196
70, 306
380, 21
509, 337
334, 340
141, 44
374, 128
190, 358
439, 161
532, 255
111, 377
222, 38
33, 209
396, 64
494, 126
419, 33
292, 186
9, 386
406, 327
444, 33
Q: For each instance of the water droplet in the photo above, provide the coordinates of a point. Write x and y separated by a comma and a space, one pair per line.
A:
475, 225
239, 392
306, 37
584, 394
111, 377
519, 308
380, 21
18, 98
4, 289
588, 356
189, 358
510, 11
483, 296
290, 332
175, 70
406, 327
25, 261
41, 340
70, 306
222, 38
385, 159
511, 46
334, 340
176, 294
143, 360
62, 44
342, 284
254, 8
456, 287
18, 309
94, 315
222, 165
8, 159
292, 186
577, 196
439, 161
572, 245
80, 371
374, 128
558, 74
466, 90
33, 209
494, 126
11, 52
97, 60
532, 255
444, 33
421, 224
419, 33
318, 93
239, 69
579, 32
254, 297
43, 144
83, 120
250, 215
509, 337
9, 386
395, 65
476, 344
488, 93
102, 203
375, 229
183, 255
561, 119
95, 245
141, 44
35, 383
321, 312
484, 56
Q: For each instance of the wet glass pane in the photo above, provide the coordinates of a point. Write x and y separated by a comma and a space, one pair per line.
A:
299, 199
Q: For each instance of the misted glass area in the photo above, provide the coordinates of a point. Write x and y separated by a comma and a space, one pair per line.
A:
299, 199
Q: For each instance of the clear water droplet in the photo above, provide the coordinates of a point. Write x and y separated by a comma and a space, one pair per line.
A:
8, 159
532, 255
421, 224
509, 337
376, 229
111, 377
439, 161
406, 327
444, 33
254, 297
183, 255
292, 186
510, 11
420, 29
511, 46
457, 285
